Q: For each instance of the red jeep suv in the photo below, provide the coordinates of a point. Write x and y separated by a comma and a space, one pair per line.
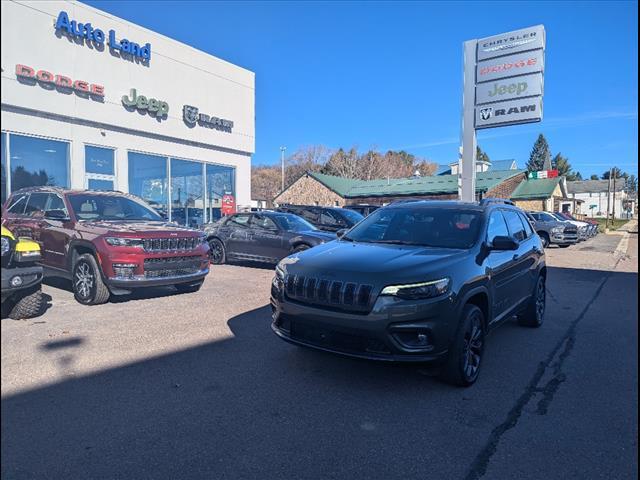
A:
107, 242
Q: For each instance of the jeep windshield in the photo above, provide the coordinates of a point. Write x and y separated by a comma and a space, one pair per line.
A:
293, 223
94, 207
428, 227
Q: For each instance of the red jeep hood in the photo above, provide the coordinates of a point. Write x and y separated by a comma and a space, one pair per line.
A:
136, 228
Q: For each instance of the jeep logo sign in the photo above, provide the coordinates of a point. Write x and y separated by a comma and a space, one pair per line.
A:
157, 108
512, 112
509, 88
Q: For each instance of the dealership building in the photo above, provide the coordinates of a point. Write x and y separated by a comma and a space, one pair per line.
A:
92, 101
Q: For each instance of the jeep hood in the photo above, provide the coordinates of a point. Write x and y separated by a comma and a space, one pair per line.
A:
151, 228
373, 263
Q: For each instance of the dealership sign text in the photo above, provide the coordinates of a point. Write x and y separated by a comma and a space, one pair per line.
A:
96, 35
50, 80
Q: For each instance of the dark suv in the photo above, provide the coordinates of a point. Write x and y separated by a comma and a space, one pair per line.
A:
330, 219
417, 281
107, 242
553, 231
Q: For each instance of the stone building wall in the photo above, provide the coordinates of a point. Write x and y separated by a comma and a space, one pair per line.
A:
535, 205
308, 191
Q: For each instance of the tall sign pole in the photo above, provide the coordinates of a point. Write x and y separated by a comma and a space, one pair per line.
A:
467, 164
503, 85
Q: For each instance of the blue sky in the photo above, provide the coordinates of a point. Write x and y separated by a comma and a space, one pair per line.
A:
389, 74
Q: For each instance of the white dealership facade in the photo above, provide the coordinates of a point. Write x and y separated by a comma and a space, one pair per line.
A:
92, 101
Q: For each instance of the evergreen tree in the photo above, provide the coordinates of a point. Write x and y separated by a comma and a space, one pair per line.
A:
540, 158
617, 173
563, 166
594, 177
481, 156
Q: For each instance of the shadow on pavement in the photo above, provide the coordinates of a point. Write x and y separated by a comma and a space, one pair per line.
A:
253, 406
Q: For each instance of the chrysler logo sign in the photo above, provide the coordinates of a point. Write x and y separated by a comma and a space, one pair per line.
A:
512, 42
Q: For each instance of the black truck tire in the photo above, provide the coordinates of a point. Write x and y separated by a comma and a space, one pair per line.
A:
29, 305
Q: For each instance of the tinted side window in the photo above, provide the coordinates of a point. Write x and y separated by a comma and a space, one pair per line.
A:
36, 203
56, 203
262, 222
516, 228
497, 227
309, 214
238, 220
327, 219
17, 204
527, 225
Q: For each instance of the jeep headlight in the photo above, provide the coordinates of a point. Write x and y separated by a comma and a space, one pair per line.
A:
557, 229
416, 291
6, 246
123, 242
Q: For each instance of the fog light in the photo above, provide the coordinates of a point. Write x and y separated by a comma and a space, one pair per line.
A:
413, 339
124, 270
16, 281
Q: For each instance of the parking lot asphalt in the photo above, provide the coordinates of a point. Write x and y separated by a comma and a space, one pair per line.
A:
167, 385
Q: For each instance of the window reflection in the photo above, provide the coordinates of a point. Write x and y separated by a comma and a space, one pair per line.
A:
37, 161
220, 181
99, 184
148, 180
187, 202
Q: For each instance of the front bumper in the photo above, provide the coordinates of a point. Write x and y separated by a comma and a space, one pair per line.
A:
380, 334
30, 276
141, 282
564, 239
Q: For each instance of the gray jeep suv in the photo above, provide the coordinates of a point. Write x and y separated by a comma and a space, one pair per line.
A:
415, 281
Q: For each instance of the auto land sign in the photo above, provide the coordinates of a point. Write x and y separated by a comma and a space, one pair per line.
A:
509, 88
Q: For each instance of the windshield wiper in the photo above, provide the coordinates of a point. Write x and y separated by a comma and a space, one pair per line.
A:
397, 242
347, 239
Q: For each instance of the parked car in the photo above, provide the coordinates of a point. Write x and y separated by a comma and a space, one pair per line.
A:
419, 281
593, 225
21, 277
584, 231
107, 242
264, 237
330, 219
552, 231
363, 210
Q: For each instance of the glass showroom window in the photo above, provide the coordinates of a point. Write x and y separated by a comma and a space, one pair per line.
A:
4, 167
187, 200
36, 162
148, 180
99, 167
220, 181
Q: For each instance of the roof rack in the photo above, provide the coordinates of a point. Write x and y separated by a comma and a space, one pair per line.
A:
488, 200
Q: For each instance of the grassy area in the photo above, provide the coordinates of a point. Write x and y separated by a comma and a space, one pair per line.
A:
617, 223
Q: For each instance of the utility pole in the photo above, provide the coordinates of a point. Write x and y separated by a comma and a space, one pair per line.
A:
606, 222
467, 162
282, 149
613, 210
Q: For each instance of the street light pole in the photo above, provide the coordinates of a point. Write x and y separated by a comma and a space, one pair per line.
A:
282, 149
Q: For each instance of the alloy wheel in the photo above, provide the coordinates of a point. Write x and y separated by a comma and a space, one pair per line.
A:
215, 252
84, 279
541, 296
472, 351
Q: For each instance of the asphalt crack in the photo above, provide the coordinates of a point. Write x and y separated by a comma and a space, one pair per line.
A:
566, 343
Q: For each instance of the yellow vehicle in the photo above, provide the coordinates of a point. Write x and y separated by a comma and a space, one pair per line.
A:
21, 277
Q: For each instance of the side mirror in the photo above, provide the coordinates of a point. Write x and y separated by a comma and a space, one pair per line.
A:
504, 243
340, 233
59, 215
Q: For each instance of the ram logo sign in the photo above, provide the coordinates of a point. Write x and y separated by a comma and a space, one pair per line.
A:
512, 112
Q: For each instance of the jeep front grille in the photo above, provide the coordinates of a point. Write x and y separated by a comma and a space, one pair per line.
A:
339, 295
169, 244
171, 266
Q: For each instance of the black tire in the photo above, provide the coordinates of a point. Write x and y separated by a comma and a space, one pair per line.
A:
544, 236
189, 287
217, 254
29, 304
301, 248
462, 366
86, 281
564, 246
533, 315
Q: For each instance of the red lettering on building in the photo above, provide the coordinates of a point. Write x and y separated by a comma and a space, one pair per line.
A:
60, 80
24, 71
44, 76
